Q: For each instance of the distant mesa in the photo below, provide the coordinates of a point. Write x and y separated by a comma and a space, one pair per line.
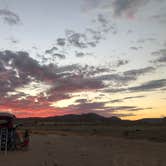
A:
89, 117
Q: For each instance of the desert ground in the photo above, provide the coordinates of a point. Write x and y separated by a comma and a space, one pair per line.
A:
75, 150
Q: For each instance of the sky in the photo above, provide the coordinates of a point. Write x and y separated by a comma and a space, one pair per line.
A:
83, 56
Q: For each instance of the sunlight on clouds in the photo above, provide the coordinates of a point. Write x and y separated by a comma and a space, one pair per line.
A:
33, 88
89, 96
63, 103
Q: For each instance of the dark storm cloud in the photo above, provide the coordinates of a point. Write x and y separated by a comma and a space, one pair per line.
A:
9, 17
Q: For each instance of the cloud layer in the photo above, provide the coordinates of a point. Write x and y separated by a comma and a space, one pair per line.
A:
26, 84
9, 17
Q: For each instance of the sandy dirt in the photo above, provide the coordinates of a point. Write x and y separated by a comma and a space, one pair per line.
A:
56, 150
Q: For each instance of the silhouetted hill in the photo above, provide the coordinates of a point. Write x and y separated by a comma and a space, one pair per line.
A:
90, 118
83, 117
114, 118
152, 120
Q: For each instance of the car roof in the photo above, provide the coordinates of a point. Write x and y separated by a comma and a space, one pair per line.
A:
7, 115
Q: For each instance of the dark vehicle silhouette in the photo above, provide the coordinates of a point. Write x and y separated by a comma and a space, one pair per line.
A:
9, 137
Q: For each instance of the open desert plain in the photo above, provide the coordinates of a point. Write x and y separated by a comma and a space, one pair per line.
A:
117, 143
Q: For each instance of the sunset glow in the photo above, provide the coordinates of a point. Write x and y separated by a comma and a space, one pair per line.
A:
105, 57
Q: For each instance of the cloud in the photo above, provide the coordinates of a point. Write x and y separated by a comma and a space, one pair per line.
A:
125, 98
23, 82
9, 17
81, 101
149, 86
126, 77
80, 54
160, 17
86, 71
88, 38
90, 5
122, 62
27, 85
60, 56
138, 72
77, 43
83, 105
122, 115
61, 41
145, 87
161, 56
104, 22
76, 39
51, 50
127, 7
143, 40
135, 48
117, 7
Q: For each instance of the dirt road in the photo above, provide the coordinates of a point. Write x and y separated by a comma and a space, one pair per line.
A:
56, 150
